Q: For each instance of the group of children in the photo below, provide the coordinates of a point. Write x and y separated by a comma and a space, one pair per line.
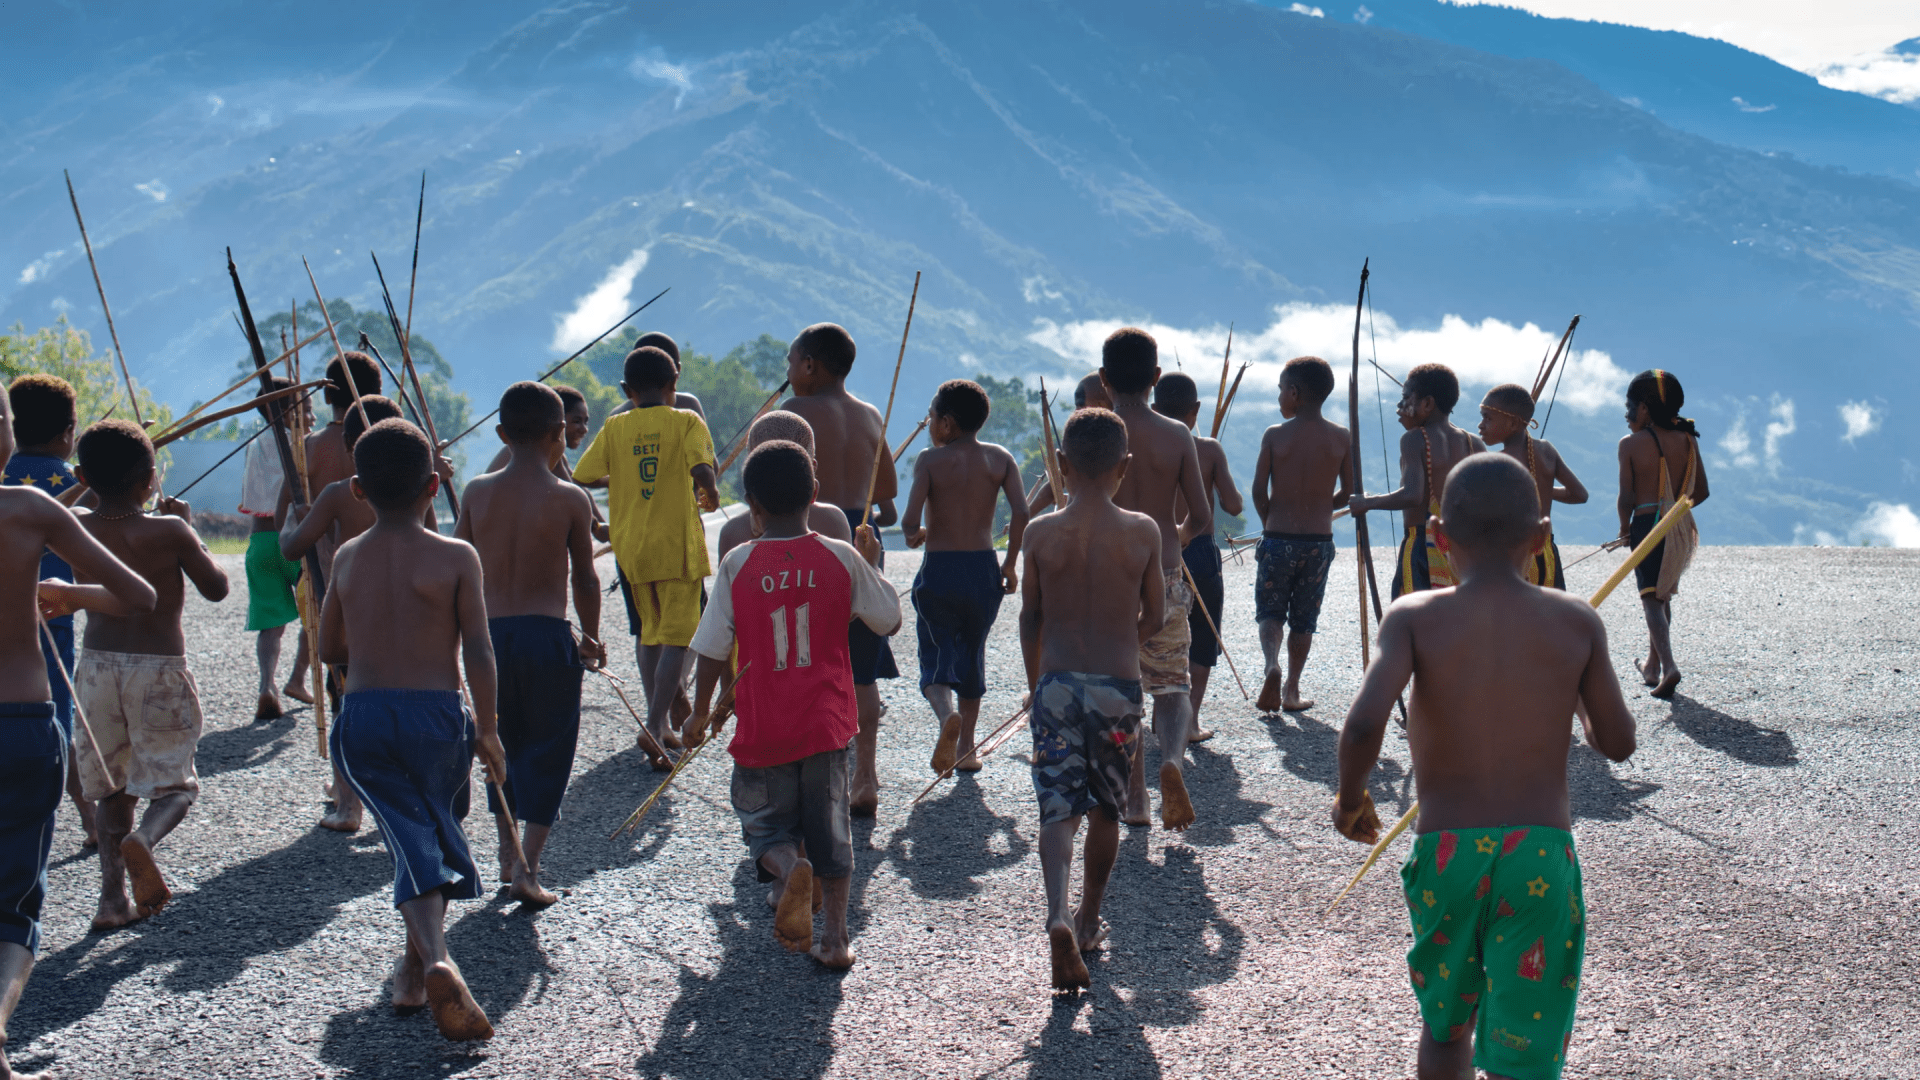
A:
440, 649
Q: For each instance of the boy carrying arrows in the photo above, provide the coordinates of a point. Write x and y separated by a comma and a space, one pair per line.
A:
1492, 885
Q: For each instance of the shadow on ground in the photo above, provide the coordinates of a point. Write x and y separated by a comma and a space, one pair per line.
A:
1738, 739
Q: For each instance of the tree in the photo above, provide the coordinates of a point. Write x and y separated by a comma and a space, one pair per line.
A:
765, 356
61, 350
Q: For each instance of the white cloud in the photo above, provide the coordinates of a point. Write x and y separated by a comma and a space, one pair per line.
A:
1034, 290
38, 268
1883, 525
1362, 15
1860, 418
1302, 9
1889, 75
1750, 108
1482, 354
153, 189
216, 102
600, 308
1738, 444
680, 75
1778, 429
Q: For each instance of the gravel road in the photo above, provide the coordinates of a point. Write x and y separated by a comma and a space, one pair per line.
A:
1751, 877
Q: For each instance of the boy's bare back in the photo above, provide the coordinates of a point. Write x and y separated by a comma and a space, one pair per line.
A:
1090, 569
166, 552
1640, 465
1164, 462
1432, 450
826, 520
1496, 675
964, 481
846, 442
327, 456
1304, 460
31, 521
401, 601
529, 529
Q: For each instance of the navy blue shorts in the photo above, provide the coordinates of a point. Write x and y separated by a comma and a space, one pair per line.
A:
33, 773
956, 597
872, 657
62, 630
409, 756
538, 704
1291, 579
1202, 557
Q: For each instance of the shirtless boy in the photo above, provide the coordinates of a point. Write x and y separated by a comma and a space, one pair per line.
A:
1177, 396
1164, 466
1089, 393
956, 594
1655, 470
579, 422
35, 764
1492, 885
132, 682
328, 456
1092, 568
1429, 450
271, 576
782, 599
827, 520
850, 465
1505, 415
1301, 461
404, 601
529, 526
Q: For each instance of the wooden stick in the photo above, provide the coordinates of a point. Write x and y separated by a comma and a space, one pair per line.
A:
72, 694
345, 368
1553, 359
721, 709
994, 741
555, 369
1373, 856
119, 353
1050, 459
250, 377
406, 402
879, 452
1211, 625
179, 432
1220, 397
741, 437
917, 429
406, 362
1221, 420
620, 690
419, 216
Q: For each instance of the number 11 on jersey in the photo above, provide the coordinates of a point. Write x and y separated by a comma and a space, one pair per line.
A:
802, 637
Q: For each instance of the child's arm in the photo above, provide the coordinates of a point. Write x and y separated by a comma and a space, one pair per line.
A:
1412, 493
704, 493
1567, 487
195, 561
1263, 478
586, 580
706, 675
1153, 594
1011, 486
333, 620
1609, 724
1349, 484
120, 591
1225, 490
910, 528
1624, 504
476, 655
1366, 726
1193, 488
307, 531
1030, 623
1700, 491
1041, 498
592, 469
886, 485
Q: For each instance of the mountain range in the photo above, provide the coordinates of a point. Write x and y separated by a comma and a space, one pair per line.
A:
1054, 168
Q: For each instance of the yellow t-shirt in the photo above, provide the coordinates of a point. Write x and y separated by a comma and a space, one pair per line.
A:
647, 456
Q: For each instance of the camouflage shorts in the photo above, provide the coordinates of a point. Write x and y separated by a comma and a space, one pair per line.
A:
1163, 658
1084, 727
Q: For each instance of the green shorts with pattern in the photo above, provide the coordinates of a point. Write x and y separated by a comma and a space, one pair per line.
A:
1083, 728
1499, 929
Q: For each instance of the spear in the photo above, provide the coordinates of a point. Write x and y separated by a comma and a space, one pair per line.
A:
993, 742
406, 352
367, 346
1233, 392
721, 709
739, 441
419, 216
1047, 447
1220, 398
345, 368
880, 451
244, 380
120, 354
555, 369
181, 431
908, 441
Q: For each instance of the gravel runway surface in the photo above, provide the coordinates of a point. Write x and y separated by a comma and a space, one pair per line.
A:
1751, 877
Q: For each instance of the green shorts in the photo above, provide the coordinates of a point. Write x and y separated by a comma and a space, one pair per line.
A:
1499, 929
270, 581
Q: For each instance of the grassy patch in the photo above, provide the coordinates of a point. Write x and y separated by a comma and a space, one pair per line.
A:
226, 545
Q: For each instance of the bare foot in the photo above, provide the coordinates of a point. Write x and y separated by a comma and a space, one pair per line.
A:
297, 692
1667, 686
1649, 671
1069, 968
90, 840
793, 919
150, 890
1196, 733
1088, 937
267, 708
527, 889
341, 821
671, 739
970, 763
509, 866
656, 759
6, 1070
947, 750
1269, 699
1176, 811
1296, 703
115, 913
678, 712
864, 800
408, 984
838, 957
1133, 809
455, 1013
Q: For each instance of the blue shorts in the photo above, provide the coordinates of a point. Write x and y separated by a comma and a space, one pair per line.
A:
1291, 579
1202, 557
538, 703
409, 756
956, 597
872, 657
33, 773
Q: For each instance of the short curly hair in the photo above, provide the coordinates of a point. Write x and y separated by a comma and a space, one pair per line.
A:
43, 408
115, 455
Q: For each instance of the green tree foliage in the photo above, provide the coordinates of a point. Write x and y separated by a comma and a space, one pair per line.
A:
61, 350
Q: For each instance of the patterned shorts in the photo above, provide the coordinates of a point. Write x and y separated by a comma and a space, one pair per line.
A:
1163, 659
1291, 579
1084, 727
145, 712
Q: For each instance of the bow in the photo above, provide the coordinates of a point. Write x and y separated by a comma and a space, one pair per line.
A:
1362, 545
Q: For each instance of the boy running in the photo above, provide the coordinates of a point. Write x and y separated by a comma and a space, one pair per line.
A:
1178, 397
1492, 885
404, 601
141, 703
529, 526
1164, 466
1429, 450
1301, 461
956, 594
851, 465
1654, 473
659, 467
783, 598
1505, 415
1091, 568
